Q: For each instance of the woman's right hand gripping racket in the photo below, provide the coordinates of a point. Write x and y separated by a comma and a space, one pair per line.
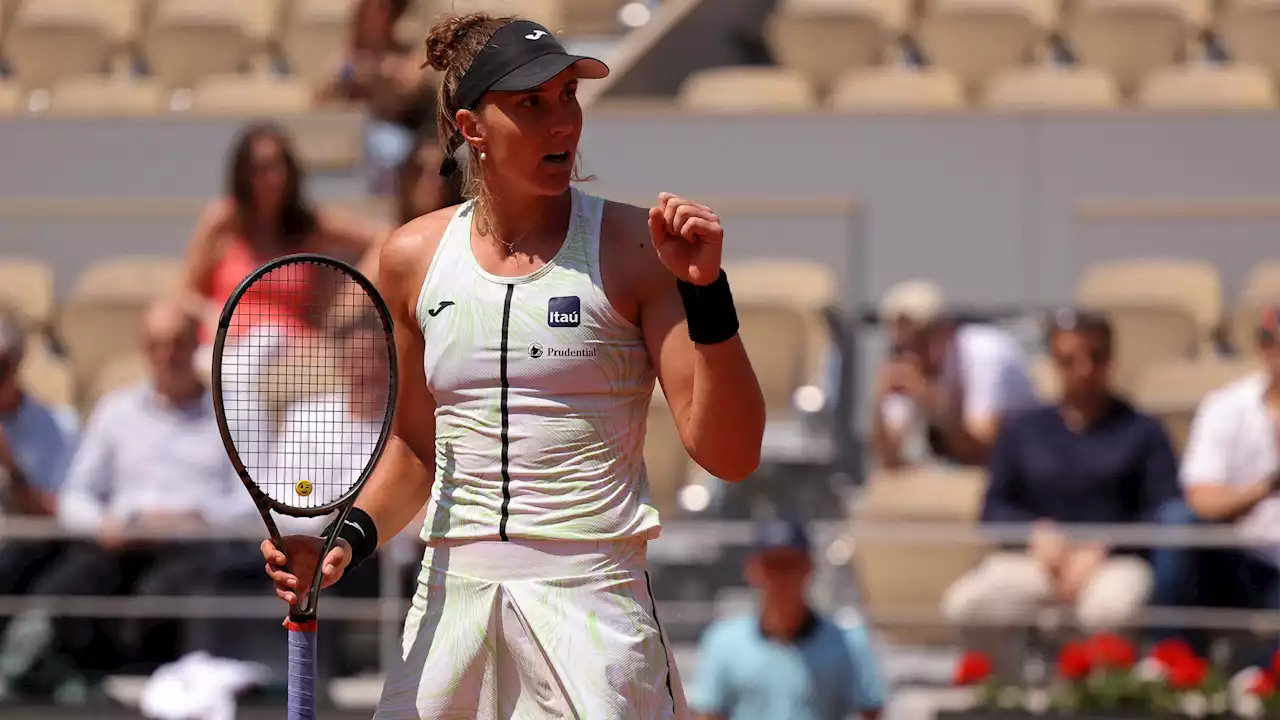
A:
304, 384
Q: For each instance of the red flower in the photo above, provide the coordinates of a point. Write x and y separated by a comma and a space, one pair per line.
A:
1188, 673
1074, 662
1264, 686
974, 669
1111, 652
1172, 652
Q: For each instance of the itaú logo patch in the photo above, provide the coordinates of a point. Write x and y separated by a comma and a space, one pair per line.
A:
564, 311
538, 350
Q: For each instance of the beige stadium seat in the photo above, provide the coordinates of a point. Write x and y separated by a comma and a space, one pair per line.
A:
123, 20
26, 287
666, 460
190, 39
52, 39
314, 39
591, 18
808, 289
1130, 38
975, 39
260, 20
896, 89
777, 340
1171, 390
1052, 87
99, 319
1250, 29
96, 96
11, 96
1261, 289
746, 90
250, 95
1208, 87
45, 375
548, 12
926, 494
821, 39
119, 372
1160, 309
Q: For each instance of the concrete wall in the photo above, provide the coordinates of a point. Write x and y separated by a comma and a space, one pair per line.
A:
1003, 210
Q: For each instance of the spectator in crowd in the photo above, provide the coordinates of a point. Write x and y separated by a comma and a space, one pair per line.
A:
36, 443
954, 382
265, 215
151, 459
420, 189
1092, 458
388, 78
785, 660
1231, 474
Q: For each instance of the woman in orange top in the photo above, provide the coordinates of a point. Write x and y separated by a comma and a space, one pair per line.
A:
265, 215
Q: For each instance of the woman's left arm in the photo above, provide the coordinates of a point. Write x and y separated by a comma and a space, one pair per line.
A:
690, 328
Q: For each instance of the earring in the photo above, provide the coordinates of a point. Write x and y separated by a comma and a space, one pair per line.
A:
483, 156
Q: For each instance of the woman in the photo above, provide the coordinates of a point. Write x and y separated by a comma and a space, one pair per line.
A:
420, 189
531, 323
264, 215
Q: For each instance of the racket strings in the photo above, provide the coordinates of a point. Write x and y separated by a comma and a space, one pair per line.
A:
306, 382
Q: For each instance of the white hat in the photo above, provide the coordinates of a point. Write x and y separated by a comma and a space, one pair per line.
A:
919, 301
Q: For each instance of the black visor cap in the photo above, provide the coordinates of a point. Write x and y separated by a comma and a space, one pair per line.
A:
521, 55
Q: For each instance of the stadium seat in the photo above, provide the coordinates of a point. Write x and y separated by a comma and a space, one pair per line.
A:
1052, 87
946, 496
11, 96
548, 12
1171, 390
1161, 309
123, 21
821, 39
777, 340
746, 90
1250, 28
975, 39
45, 375
1200, 86
250, 95
52, 39
189, 39
666, 460
1130, 38
99, 319
26, 287
591, 18
805, 288
1261, 288
105, 96
261, 21
314, 38
897, 88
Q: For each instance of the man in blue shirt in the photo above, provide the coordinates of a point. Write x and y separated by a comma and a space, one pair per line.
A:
786, 661
1090, 459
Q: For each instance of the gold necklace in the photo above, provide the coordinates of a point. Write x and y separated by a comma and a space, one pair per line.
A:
511, 246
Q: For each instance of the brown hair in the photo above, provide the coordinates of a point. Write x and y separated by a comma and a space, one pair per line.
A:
297, 220
453, 43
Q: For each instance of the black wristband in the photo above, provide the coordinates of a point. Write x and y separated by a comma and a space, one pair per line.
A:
709, 309
359, 532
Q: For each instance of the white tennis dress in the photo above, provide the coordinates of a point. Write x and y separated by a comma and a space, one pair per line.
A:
534, 599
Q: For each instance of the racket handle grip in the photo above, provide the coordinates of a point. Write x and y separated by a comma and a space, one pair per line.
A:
302, 670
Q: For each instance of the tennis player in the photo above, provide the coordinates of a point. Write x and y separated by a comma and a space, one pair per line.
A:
531, 323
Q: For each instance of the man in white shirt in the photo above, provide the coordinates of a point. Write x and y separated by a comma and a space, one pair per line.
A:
151, 458
1231, 474
954, 382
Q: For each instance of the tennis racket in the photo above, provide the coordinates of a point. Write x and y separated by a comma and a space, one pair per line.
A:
304, 387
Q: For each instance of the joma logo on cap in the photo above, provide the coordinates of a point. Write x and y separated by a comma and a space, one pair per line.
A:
536, 35
564, 311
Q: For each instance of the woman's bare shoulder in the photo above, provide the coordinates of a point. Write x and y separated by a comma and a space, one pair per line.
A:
407, 253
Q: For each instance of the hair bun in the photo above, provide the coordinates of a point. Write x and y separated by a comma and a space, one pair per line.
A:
447, 33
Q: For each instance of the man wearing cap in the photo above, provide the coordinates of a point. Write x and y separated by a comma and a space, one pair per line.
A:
955, 383
785, 660
1231, 474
